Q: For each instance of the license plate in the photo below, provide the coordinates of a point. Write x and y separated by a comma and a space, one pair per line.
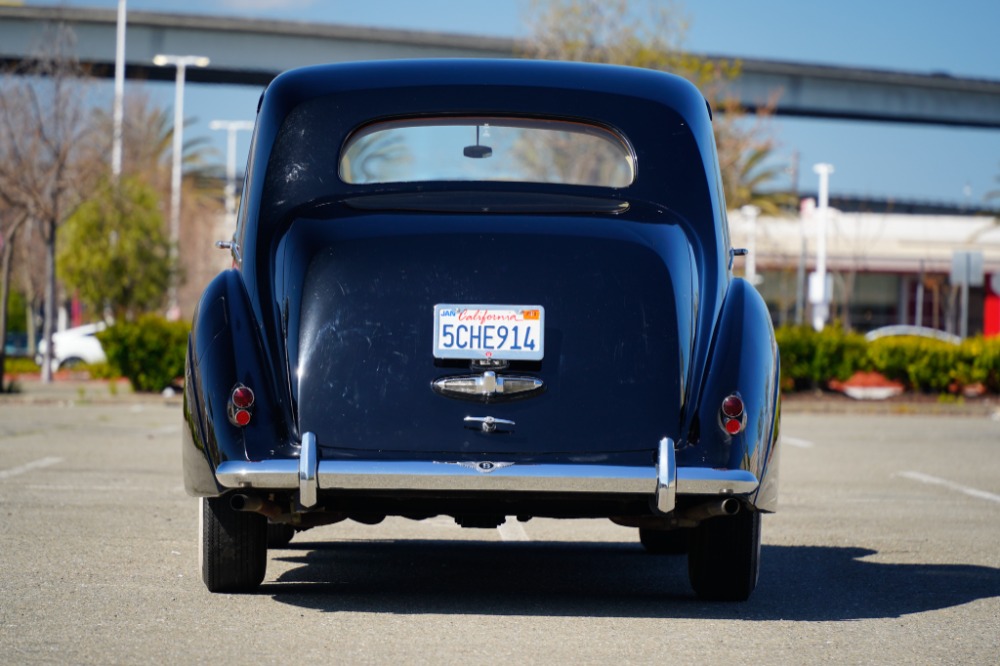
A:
497, 332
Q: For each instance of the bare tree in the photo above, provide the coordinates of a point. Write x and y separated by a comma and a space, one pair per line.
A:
44, 132
9, 229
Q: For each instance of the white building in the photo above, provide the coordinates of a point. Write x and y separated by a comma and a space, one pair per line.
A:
886, 268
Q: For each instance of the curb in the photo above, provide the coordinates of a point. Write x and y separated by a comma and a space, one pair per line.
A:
903, 405
72, 391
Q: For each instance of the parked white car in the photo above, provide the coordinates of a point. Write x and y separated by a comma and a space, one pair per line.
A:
74, 346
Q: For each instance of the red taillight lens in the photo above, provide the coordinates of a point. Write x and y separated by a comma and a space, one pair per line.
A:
241, 417
733, 426
242, 397
732, 406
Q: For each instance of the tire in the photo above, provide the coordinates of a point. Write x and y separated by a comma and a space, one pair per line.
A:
233, 547
724, 557
279, 534
70, 363
664, 542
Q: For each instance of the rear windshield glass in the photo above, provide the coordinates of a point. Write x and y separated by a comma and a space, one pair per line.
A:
487, 149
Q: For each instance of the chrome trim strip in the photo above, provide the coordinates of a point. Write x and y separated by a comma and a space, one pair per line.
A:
439, 476
489, 385
709, 481
308, 471
666, 477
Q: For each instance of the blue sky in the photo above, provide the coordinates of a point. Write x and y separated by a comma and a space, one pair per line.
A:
874, 159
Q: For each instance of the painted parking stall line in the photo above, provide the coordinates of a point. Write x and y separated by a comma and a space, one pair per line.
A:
27, 467
513, 531
951, 485
797, 442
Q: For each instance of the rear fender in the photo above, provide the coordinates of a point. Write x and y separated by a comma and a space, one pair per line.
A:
744, 360
225, 350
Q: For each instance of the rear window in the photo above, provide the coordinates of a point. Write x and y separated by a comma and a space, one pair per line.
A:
487, 149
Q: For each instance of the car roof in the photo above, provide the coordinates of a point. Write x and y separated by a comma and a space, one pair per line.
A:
306, 115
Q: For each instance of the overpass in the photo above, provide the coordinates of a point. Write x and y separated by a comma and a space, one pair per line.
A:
253, 51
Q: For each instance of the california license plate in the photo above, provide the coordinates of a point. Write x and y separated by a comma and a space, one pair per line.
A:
497, 332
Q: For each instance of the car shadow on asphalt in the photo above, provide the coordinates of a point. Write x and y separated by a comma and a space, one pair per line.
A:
797, 583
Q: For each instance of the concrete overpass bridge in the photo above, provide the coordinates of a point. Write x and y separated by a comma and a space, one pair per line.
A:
253, 51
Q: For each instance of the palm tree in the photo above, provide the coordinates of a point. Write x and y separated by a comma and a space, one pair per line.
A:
750, 183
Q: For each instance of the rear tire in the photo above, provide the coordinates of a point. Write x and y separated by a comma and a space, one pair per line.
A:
233, 547
724, 557
664, 542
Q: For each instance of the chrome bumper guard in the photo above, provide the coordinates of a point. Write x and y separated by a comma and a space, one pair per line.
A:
310, 475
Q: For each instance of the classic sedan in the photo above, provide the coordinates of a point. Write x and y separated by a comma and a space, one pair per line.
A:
488, 290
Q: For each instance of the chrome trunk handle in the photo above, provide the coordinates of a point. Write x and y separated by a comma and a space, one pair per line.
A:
489, 423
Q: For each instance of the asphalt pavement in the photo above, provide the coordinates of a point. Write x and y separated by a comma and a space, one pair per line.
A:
885, 550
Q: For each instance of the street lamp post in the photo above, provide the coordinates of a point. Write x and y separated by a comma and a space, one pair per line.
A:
181, 63
118, 111
820, 295
231, 127
751, 213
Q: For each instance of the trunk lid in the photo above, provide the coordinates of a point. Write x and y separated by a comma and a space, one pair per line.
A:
360, 296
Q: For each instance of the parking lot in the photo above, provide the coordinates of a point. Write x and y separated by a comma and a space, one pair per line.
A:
886, 549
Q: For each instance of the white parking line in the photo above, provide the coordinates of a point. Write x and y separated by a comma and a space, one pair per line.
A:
27, 467
79, 489
933, 480
795, 441
513, 531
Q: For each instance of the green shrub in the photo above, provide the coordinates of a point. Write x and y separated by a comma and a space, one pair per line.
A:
891, 357
981, 359
101, 371
933, 367
809, 358
18, 365
840, 354
797, 347
922, 364
148, 352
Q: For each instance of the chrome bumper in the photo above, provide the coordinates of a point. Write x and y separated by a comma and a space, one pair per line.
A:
310, 475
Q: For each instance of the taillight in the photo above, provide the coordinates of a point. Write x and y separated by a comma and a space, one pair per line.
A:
241, 417
240, 403
242, 397
732, 414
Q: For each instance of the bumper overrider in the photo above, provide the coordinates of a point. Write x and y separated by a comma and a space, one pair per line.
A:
309, 476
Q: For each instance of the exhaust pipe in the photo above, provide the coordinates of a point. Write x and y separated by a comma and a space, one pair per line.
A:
240, 502
274, 512
727, 507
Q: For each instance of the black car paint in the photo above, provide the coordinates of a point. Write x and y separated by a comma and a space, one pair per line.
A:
252, 326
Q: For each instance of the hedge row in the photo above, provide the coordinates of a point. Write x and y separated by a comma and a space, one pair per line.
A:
150, 353
810, 359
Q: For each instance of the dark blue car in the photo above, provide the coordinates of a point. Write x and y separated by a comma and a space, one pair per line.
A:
483, 289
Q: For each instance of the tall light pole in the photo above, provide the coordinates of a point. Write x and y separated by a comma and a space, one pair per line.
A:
116, 141
231, 127
819, 294
751, 213
181, 63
